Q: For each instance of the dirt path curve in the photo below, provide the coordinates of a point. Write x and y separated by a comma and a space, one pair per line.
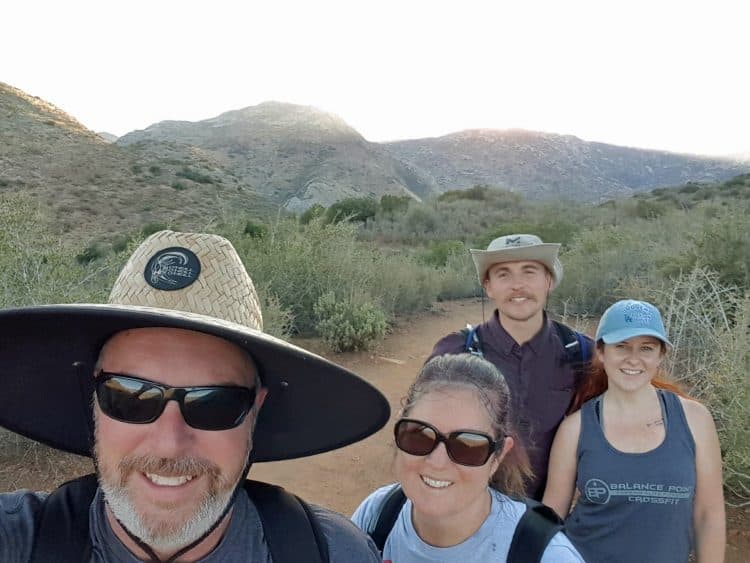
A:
342, 478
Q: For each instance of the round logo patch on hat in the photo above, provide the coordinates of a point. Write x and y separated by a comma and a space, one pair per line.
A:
172, 268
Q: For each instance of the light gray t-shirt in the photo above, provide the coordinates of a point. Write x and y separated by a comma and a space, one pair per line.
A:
243, 541
489, 544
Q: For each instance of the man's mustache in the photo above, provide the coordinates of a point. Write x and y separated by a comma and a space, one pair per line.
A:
168, 467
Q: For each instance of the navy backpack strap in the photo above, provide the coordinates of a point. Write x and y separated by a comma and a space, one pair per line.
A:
62, 527
570, 341
533, 533
389, 510
577, 348
584, 345
472, 344
292, 532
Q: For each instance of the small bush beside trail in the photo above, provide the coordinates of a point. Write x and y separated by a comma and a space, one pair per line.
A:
348, 325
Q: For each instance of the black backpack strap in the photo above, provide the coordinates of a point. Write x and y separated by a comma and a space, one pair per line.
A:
389, 510
534, 531
571, 342
62, 527
577, 348
472, 344
290, 528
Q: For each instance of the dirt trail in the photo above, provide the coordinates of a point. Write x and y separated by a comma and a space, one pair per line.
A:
342, 478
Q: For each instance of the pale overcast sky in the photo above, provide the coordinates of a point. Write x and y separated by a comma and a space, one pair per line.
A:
662, 74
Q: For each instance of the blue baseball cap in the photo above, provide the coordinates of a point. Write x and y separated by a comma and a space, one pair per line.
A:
628, 318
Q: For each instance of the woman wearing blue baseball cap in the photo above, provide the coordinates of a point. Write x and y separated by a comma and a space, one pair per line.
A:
644, 457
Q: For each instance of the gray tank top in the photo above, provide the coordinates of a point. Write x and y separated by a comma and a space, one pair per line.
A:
634, 507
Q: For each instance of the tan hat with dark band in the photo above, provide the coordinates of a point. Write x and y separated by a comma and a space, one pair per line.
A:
514, 248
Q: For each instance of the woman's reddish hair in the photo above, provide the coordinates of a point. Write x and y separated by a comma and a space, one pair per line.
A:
595, 382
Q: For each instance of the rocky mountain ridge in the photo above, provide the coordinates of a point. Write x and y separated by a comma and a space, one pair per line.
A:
274, 156
296, 155
549, 166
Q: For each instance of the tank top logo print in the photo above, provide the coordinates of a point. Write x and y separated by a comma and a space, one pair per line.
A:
599, 492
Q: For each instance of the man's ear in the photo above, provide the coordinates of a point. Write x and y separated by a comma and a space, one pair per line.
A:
260, 397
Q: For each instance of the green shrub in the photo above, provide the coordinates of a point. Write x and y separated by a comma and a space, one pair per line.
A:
354, 209
179, 186
37, 268
722, 244
689, 188
458, 278
154, 170
600, 265
477, 193
255, 230
347, 325
548, 229
90, 253
299, 263
278, 320
402, 285
195, 175
648, 209
439, 252
120, 243
741, 180
421, 220
391, 204
150, 228
312, 212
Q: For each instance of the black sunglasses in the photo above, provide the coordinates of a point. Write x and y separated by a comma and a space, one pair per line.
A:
140, 401
465, 447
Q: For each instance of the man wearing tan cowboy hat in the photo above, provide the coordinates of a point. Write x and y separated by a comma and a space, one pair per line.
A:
542, 360
174, 390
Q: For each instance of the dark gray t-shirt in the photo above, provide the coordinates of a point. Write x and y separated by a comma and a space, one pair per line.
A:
634, 507
243, 541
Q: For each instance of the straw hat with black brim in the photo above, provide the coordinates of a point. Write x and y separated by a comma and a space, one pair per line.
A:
48, 353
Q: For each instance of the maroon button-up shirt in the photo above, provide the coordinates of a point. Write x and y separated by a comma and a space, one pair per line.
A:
541, 382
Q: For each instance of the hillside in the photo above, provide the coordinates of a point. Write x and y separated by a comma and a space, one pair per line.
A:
729, 193
261, 159
550, 166
92, 187
294, 155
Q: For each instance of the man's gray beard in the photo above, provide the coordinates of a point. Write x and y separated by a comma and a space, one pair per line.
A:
163, 538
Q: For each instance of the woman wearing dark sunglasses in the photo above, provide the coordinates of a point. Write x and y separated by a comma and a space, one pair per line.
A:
456, 463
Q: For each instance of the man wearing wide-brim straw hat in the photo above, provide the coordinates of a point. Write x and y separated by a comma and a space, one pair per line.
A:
543, 361
174, 390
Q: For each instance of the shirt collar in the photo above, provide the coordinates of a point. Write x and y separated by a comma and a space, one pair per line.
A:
505, 341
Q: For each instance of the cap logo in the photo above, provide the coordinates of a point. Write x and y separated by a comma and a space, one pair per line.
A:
172, 268
513, 241
638, 313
